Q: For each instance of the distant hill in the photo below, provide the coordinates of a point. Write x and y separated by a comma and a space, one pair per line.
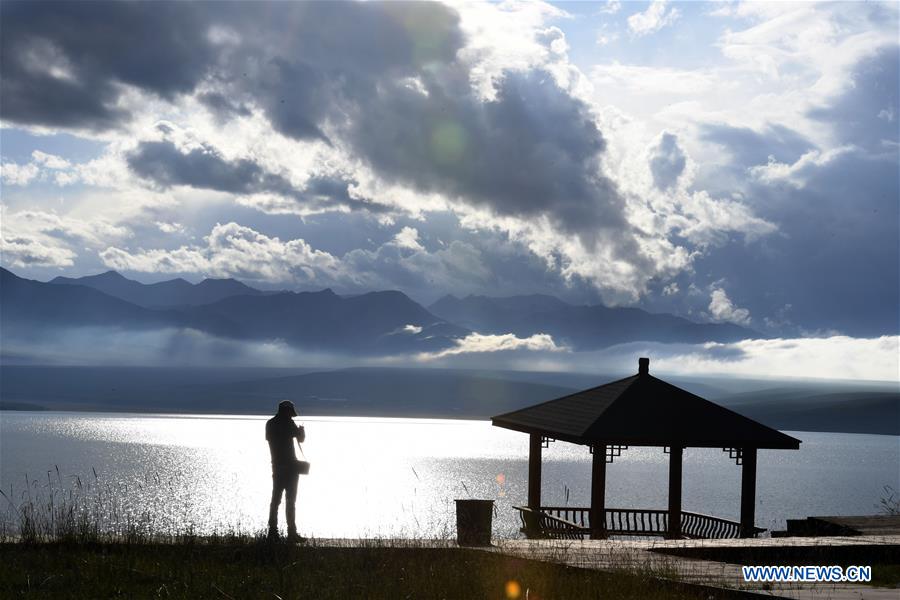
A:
383, 392
580, 327
33, 304
849, 410
488, 314
393, 392
165, 294
373, 323
407, 392
377, 322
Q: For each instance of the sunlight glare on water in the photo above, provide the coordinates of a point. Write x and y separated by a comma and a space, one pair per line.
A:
399, 477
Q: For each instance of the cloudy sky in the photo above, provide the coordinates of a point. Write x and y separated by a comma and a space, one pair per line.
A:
723, 161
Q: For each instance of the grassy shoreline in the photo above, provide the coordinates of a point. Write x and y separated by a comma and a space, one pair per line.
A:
81, 543
254, 568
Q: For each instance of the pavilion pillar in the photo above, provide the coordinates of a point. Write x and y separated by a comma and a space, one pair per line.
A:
748, 492
675, 458
598, 493
534, 471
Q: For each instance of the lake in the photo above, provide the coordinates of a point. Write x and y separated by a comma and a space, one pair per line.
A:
375, 477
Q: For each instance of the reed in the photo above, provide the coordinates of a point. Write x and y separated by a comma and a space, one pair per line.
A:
253, 568
80, 541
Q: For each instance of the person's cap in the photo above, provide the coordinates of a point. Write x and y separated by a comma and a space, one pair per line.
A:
286, 406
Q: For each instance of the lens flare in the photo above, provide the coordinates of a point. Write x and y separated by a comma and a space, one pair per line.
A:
448, 142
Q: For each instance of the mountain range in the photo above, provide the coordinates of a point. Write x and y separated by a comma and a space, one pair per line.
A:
579, 327
375, 323
165, 294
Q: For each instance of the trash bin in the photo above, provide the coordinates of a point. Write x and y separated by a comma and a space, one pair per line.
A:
473, 522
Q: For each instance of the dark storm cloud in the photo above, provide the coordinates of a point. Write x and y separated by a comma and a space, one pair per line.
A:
62, 61
667, 161
295, 96
306, 63
312, 67
324, 191
744, 148
532, 151
222, 105
204, 168
835, 262
351, 74
748, 147
868, 113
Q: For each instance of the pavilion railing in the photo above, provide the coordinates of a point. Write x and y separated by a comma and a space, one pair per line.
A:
541, 524
699, 526
574, 522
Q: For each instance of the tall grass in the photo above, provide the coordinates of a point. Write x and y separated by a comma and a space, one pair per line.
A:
75, 535
79, 539
889, 503
93, 511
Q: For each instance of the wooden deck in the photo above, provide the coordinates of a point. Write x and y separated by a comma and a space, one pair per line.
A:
868, 525
670, 559
661, 558
568, 522
838, 526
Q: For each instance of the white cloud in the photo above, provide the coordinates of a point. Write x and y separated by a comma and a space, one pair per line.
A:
413, 329
676, 208
671, 289
660, 80
180, 260
832, 357
619, 280
723, 8
51, 161
478, 343
457, 266
29, 251
275, 204
835, 357
408, 237
231, 251
806, 44
723, 309
605, 38
106, 171
31, 238
170, 227
705, 220
653, 19
797, 174
95, 232
16, 174
778, 62
502, 37
610, 8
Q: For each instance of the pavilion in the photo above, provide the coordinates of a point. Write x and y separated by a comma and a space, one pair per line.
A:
639, 411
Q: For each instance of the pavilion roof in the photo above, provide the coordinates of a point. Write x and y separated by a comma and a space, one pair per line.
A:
643, 411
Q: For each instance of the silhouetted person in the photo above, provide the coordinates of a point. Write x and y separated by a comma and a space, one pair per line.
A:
281, 433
